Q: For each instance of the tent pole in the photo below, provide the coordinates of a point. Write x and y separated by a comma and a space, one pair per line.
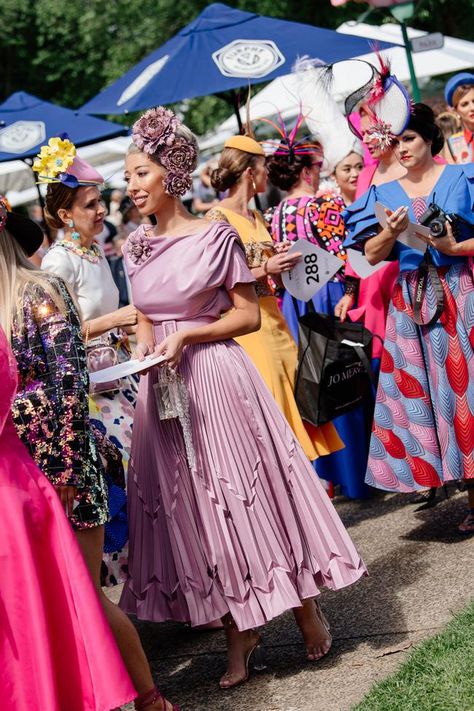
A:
414, 82
402, 13
235, 103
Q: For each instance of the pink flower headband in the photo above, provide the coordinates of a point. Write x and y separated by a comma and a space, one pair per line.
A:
155, 134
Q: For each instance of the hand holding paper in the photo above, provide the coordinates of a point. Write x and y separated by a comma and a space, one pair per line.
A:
313, 270
409, 236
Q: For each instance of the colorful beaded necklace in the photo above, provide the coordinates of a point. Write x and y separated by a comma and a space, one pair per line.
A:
92, 253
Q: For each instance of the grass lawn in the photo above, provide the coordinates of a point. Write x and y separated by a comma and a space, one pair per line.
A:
437, 676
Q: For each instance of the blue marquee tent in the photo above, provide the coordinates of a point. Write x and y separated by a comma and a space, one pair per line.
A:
26, 122
222, 49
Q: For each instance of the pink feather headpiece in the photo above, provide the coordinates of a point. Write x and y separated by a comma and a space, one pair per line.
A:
289, 145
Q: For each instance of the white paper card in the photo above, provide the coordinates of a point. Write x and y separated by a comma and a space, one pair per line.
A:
315, 268
360, 264
121, 370
407, 237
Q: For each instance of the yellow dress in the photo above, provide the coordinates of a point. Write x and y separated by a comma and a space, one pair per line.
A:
272, 348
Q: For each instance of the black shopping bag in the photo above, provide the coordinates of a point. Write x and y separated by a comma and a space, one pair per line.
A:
333, 377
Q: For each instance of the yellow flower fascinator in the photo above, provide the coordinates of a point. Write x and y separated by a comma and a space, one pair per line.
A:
54, 158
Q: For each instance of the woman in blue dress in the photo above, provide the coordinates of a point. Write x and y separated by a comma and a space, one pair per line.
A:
423, 430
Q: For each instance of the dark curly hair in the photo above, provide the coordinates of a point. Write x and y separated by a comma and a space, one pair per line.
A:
285, 173
422, 121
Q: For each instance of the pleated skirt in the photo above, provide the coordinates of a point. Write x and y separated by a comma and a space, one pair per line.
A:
249, 529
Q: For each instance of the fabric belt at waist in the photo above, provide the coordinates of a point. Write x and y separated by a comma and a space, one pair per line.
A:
165, 328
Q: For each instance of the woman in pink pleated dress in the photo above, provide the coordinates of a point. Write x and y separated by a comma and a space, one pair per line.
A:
227, 519
48, 402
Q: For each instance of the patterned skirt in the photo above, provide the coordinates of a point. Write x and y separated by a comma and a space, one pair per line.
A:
423, 431
111, 415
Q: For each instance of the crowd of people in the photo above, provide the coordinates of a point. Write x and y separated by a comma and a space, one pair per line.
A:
197, 482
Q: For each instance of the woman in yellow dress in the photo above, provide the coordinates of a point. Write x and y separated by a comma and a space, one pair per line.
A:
242, 171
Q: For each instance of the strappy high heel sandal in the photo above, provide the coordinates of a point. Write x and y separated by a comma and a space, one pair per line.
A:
306, 625
325, 623
254, 658
151, 697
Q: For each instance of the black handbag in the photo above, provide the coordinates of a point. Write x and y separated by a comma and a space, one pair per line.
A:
334, 373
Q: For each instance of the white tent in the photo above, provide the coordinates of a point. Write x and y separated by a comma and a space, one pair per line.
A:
282, 93
17, 180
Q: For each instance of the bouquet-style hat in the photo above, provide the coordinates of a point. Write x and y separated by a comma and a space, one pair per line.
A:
27, 233
155, 133
57, 162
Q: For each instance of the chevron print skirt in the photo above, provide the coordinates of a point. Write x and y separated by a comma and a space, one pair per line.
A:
423, 431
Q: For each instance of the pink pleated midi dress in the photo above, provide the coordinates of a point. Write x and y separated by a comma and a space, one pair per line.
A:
247, 527
56, 649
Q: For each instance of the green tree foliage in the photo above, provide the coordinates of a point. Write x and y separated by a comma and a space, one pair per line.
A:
68, 50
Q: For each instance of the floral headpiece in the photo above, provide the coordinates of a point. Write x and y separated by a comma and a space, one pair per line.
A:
57, 162
155, 134
54, 159
289, 145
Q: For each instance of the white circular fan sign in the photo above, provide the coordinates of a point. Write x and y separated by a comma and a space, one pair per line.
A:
248, 58
21, 136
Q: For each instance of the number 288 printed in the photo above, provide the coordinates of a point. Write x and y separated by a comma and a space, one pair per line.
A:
311, 268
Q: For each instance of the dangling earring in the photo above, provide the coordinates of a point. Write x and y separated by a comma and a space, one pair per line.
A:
253, 185
74, 234
308, 180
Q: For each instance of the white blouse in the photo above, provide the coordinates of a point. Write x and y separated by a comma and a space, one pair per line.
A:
91, 283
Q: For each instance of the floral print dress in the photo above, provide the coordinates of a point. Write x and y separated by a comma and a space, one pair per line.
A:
51, 409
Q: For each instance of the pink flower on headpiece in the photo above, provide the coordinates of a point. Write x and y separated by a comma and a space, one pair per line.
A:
138, 248
180, 157
177, 184
157, 127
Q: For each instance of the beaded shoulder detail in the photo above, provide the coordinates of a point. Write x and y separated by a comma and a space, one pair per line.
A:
216, 215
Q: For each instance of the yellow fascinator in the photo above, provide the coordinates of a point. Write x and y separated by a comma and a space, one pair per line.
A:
54, 158
246, 144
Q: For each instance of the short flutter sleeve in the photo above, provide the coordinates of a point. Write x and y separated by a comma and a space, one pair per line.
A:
57, 261
225, 256
460, 191
360, 220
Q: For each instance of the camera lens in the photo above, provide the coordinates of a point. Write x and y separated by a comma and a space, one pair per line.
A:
438, 227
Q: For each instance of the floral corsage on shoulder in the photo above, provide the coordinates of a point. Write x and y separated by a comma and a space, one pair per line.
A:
138, 247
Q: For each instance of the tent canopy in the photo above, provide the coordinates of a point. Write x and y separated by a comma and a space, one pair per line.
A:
26, 122
222, 49
282, 93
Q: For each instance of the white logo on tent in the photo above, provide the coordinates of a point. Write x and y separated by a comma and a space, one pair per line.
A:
248, 58
142, 80
21, 136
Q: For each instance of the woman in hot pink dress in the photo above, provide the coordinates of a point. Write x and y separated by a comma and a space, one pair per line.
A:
56, 648
226, 516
